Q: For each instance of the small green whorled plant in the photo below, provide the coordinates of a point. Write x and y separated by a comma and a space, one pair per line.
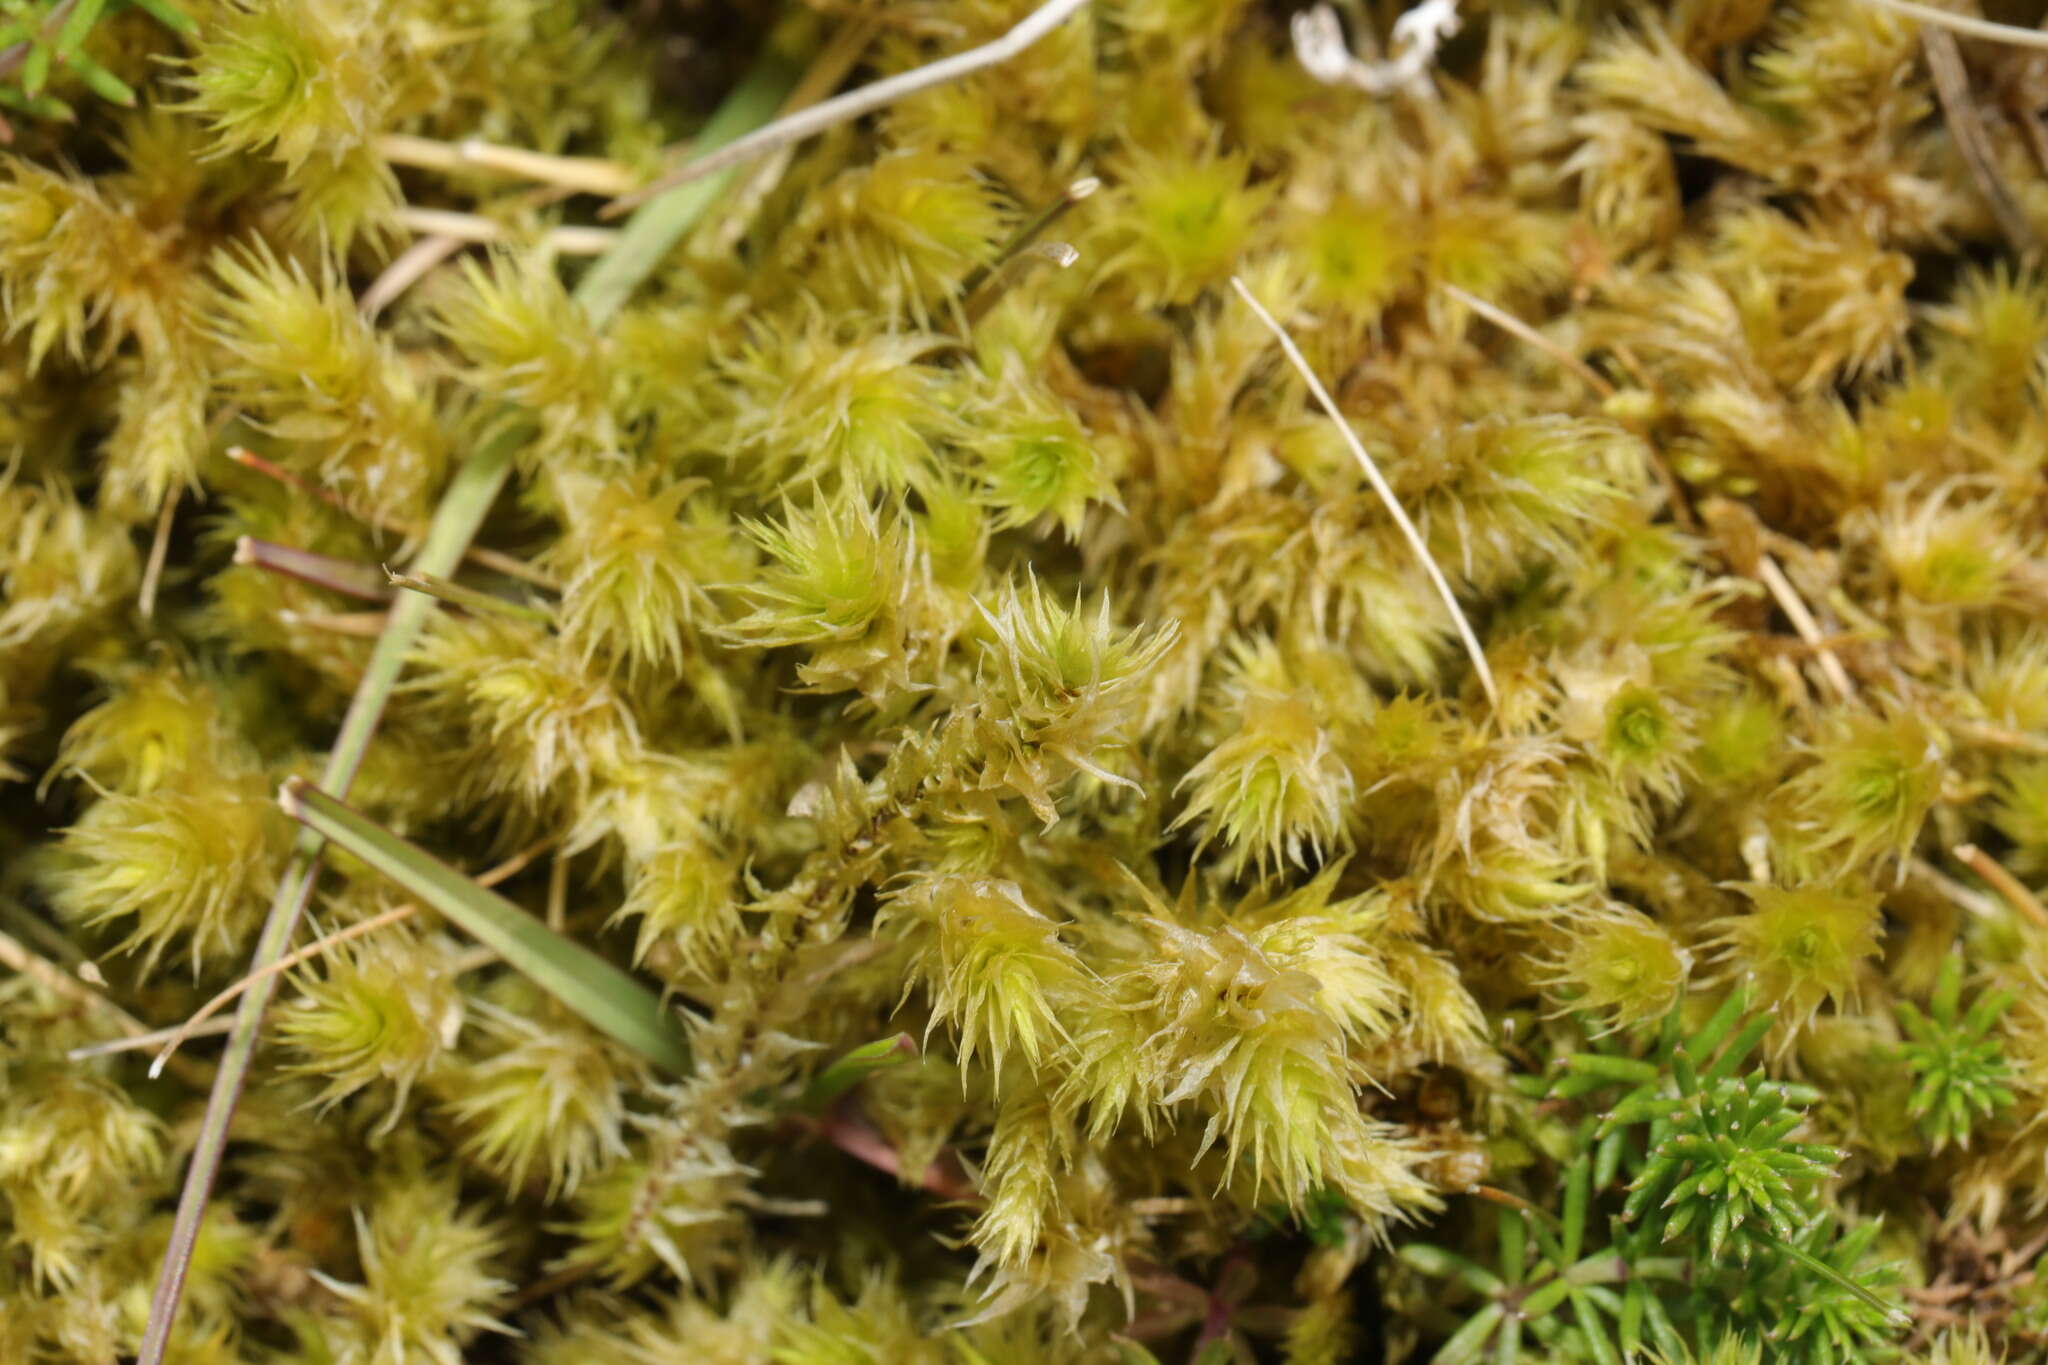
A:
1716, 1225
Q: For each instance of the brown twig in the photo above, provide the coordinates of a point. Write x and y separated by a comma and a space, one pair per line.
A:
2015, 891
1789, 601
493, 560
349, 577
1959, 108
159, 548
845, 1127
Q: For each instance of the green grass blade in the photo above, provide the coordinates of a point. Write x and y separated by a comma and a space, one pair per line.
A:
653, 231
603, 995
469, 497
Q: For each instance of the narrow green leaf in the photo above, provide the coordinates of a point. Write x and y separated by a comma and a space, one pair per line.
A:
655, 228
1948, 988
1576, 1182
1631, 1327
1716, 1028
1595, 1331
169, 15
35, 72
606, 997
1607, 1158
1738, 1050
468, 498
1466, 1344
1895, 1314
1432, 1260
42, 106
101, 81
77, 25
1662, 1331
1507, 1347
853, 1068
1545, 1299
1624, 1070
1514, 1246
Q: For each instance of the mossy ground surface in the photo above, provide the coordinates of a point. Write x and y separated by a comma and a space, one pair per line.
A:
1111, 914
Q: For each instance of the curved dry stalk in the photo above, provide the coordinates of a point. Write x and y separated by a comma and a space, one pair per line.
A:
810, 122
1794, 606
408, 268
509, 565
1515, 327
270, 969
154, 1038
473, 227
1966, 128
159, 547
581, 174
977, 288
1380, 486
1320, 48
1963, 23
2015, 892
193, 1025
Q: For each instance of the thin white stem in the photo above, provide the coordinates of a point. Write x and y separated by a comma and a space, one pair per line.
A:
854, 103
191, 1026
154, 1038
584, 174
470, 227
153, 574
1963, 23
365, 625
1515, 327
2016, 892
1380, 486
1808, 629
407, 269
283, 964
1953, 891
